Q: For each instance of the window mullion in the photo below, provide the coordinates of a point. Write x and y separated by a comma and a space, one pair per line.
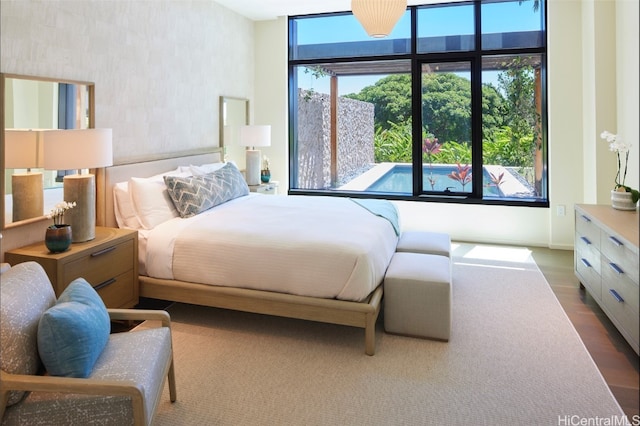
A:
476, 126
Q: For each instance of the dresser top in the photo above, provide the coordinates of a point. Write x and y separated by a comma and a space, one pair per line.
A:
622, 222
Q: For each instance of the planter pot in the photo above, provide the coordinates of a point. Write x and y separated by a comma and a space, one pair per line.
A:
58, 238
622, 201
265, 176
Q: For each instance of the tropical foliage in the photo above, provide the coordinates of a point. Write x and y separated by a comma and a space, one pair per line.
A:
510, 120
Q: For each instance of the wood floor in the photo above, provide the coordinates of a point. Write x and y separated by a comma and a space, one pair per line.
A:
617, 362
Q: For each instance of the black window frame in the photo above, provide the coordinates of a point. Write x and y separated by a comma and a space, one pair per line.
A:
475, 57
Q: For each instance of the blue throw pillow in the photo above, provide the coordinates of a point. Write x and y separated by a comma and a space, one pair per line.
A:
73, 332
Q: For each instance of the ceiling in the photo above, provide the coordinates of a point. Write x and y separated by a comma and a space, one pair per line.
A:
260, 10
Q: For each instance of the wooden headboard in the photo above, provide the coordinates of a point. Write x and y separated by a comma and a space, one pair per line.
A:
109, 176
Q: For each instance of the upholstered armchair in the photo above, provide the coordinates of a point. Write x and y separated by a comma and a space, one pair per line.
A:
52, 373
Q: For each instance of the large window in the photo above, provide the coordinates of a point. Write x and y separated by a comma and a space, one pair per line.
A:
450, 106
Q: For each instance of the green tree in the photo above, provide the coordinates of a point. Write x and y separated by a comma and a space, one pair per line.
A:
391, 96
509, 116
493, 110
446, 104
517, 82
446, 107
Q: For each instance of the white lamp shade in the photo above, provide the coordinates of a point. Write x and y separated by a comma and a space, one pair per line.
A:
378, 17
255, 135
23, 149
77, 149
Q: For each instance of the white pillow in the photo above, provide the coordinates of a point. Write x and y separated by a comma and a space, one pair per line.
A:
123, 208
150, 199
205, 168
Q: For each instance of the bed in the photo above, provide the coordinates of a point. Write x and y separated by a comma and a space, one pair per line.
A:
313, 258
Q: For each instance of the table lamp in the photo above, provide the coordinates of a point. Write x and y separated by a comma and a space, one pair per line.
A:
79, 149
251, 137
23, 150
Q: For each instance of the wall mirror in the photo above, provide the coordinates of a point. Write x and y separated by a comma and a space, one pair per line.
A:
36, 103
234, 112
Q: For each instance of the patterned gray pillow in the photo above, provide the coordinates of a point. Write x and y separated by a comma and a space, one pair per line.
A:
194, 194
25, 294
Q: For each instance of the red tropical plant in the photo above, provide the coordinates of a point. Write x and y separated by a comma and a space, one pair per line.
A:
497, 180
431, 146
462, 175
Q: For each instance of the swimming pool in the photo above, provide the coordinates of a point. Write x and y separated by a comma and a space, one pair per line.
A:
399, 179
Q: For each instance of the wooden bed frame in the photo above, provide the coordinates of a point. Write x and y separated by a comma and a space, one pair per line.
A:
356, 314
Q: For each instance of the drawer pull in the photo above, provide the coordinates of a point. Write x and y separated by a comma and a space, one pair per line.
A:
615, 241
585, 262
616, 268
104, 284
103, 251
616, 295
586, 240
585, 218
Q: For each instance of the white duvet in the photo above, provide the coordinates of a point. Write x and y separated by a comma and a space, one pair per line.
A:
326, 247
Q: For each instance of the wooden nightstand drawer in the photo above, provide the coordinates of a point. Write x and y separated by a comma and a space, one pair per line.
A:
101, 265
117, 291
109, 263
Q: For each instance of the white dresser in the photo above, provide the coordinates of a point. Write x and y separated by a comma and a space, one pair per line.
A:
606, 263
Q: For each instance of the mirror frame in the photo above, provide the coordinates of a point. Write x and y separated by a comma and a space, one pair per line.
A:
229, 146
92, 119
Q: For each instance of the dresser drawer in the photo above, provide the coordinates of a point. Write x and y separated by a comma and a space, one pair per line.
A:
620, 300
585, 251
589, 277
101, 264
587, 229
615, 278
621, 254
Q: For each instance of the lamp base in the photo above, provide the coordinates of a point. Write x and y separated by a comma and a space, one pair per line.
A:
27, 196
252, 167
82, 218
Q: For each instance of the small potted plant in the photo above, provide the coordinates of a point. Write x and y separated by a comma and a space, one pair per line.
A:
265, 173
623, 197
58, 236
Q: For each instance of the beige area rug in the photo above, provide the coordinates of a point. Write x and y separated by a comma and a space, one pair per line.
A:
513, 359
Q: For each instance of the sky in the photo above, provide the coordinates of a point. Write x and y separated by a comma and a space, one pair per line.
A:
454, 19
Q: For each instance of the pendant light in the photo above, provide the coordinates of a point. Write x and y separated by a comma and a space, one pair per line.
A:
378, 17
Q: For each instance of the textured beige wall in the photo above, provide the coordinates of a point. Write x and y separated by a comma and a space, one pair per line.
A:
271, 87
159, 68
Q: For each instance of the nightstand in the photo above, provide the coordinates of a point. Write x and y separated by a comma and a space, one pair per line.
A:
109, 263
270, 188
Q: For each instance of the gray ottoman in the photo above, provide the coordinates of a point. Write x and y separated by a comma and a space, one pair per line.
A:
417, 296
425, 242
